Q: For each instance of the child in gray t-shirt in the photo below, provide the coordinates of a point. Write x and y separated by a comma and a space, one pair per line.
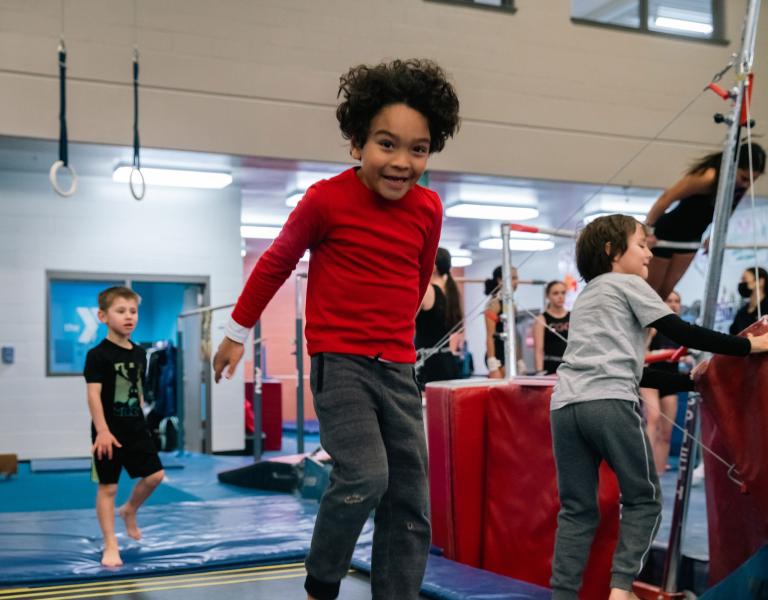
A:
595, 409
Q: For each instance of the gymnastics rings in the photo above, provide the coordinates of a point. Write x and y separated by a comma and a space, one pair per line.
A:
136, 182
53, 176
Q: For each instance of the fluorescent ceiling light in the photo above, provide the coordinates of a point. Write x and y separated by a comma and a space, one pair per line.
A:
461, 261
472, 210
293, 199
175, 177
458, 251
261, 232
592, 216
683, 25
495, 194
516, 243
304, 180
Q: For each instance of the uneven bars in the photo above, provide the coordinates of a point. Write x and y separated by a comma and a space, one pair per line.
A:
569, 233
520, 281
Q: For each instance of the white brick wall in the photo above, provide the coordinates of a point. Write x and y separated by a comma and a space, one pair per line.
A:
541, 97
100, 229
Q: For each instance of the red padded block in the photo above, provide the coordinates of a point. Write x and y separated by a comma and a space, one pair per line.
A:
734, 425
521, 501
271, 412
456, 437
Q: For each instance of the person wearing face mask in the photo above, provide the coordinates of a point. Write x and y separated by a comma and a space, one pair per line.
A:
753, 290
695, 196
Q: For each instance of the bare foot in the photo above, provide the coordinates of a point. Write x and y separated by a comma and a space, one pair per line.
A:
129, 516
111, 557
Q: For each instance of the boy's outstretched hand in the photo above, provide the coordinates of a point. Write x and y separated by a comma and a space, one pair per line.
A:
228, 355
759, 343
102, 447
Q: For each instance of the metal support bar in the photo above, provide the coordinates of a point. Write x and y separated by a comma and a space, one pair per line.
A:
257, 424
723, 205
508, 300
179, 388
299, 364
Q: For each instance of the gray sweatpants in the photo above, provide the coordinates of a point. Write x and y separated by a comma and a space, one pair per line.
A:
584, 434
371, 425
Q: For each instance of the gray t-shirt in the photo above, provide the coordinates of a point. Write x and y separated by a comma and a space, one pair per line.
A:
606, 341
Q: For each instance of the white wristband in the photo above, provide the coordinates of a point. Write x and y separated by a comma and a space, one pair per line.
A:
494, 364
236, 332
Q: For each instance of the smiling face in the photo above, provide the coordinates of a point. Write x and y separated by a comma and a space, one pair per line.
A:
395, 153
634, 261
121, 316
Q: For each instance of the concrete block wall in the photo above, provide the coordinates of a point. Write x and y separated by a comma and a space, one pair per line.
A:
541, 96
101, 230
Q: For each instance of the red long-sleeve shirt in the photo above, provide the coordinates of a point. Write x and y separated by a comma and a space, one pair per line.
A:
371, 261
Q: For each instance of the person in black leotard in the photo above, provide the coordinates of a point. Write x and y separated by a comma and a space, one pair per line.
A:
549, 347
696, 193
753, 291
662, 401
440, 312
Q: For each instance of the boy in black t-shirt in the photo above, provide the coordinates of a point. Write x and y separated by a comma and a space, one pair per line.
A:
114, 372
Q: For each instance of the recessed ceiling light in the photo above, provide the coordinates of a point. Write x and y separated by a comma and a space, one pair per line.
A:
293, 199
261, 232
461, 261
175, 177
491, 212
592, 216
531, 244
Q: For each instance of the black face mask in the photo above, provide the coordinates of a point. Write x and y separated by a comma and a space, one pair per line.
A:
744, 290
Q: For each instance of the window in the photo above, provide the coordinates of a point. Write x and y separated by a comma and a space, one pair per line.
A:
697, 19
73, 325
506, 5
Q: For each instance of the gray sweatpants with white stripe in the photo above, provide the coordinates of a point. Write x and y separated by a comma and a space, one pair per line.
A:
584, 434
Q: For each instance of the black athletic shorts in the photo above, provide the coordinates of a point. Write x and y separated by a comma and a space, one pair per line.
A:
668, 252
137, 463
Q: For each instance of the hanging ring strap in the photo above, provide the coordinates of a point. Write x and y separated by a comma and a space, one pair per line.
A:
63, 162
136, 181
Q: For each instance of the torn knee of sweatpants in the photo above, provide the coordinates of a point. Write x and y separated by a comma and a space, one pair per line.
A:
353, 499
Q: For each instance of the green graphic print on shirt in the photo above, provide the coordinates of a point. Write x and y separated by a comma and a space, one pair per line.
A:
127, 390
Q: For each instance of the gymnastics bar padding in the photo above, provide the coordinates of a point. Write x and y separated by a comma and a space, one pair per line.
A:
521, 501
456, 424
734, 422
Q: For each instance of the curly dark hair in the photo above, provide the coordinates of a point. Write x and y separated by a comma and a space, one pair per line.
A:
418, 83
592, 259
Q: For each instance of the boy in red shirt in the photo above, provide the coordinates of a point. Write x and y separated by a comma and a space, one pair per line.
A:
373, 234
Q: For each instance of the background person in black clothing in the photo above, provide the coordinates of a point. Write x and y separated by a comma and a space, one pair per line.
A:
754, 291
696, 193
440, 312
548, 346
662, 402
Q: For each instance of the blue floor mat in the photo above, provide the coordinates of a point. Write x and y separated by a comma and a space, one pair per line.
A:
449, 580
65, 490
71, 490
311, 426
66, 545
59, 465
